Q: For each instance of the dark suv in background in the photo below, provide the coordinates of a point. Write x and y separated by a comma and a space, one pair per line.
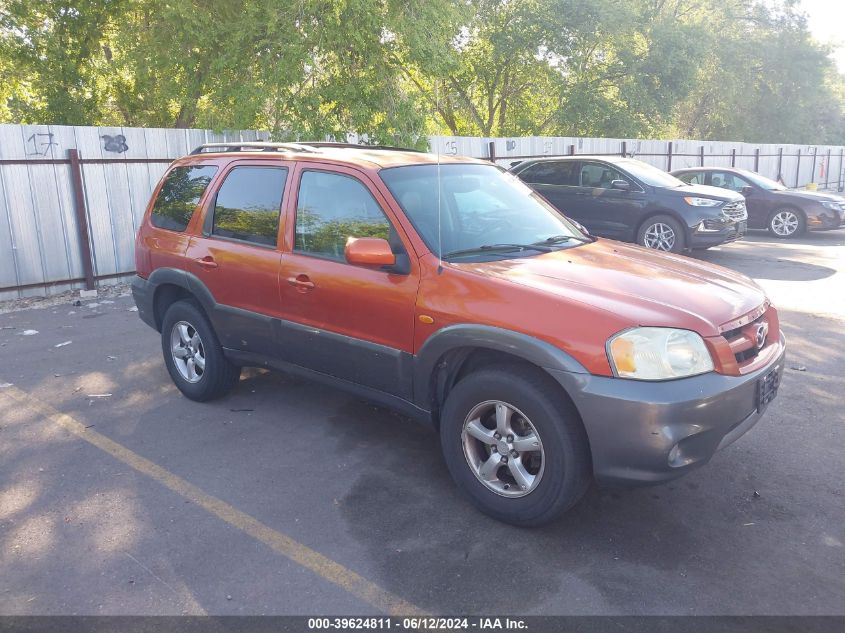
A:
632, 201
784, 212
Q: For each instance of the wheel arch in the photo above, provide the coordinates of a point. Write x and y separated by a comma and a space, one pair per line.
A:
455, 351
171, 285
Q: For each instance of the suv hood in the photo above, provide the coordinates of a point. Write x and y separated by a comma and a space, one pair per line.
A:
708, 192
636, 284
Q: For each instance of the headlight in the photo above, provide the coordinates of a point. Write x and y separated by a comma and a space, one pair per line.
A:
702, 202
836, 206
658, 353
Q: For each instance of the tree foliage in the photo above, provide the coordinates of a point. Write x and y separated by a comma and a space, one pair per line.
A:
397, 70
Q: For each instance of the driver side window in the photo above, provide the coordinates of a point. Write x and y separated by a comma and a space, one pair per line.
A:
599, 176
727, 180
331, 208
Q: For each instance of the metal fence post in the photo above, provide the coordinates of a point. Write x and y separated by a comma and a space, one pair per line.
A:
733, 157
624, 149
813, 173
798, 168
827, 170
81, 217
572, 150
491, 151
839, 175
780, 164
669, 158
701, 156
757, 159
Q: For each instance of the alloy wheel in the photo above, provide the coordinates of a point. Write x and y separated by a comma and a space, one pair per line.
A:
503, 448
188, 351
659, 236
785, 223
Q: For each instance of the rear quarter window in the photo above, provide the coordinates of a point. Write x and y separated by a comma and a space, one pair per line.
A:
179, 195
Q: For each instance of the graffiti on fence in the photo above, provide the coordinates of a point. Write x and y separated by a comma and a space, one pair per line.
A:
41, 144
116, 143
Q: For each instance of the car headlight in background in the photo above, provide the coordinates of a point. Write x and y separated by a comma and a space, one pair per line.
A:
702, 202
658, 353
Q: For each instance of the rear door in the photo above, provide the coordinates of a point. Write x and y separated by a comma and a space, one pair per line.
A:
350, 322
237, 256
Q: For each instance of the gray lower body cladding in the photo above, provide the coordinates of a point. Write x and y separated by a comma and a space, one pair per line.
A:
647, 432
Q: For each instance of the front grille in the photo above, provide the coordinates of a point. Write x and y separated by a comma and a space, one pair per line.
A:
744, 342
735, 211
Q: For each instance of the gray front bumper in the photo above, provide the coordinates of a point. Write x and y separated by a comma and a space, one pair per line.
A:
646, 432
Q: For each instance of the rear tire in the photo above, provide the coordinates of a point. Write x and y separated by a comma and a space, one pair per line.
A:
786, 222
193, 354
548, 466
662, 233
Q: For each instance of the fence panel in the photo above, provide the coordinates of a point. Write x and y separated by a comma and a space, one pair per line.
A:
39, 237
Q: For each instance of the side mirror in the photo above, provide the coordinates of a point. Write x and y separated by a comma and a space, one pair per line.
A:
621, 185
369, 251
747, 190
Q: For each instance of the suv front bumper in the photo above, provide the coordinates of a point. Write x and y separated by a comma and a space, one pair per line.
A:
647, 432
731, 233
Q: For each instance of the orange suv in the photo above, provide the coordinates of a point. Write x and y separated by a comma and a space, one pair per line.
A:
445, 288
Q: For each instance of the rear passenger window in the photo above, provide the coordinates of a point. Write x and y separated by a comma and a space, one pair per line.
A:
248, 204
179, 195
692, 178
332, 208
552, 173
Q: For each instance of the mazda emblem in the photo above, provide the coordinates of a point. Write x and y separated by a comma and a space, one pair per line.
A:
760, 338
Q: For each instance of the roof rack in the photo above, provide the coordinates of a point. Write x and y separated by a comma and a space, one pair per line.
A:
264, 146
359, 146
245, 146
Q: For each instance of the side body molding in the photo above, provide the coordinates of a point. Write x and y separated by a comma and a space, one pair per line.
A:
469, 335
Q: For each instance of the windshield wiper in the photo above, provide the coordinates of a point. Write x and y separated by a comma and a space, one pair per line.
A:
559, 239
499, 248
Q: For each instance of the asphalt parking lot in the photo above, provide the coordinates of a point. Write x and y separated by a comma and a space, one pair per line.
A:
289, 497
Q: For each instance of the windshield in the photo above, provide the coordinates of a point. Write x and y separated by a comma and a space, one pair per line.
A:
480, 207
649, 174
762, 181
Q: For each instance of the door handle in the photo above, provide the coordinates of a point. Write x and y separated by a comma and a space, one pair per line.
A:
301, 282
206, 262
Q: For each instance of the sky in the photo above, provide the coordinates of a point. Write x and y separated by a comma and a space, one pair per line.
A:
827, 24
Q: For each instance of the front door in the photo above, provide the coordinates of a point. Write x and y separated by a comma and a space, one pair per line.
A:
350, 322
609, 212
237, 257
756, 202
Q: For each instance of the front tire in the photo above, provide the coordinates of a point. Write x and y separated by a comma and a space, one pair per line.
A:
662, 233
785, 223
193, 354
514, 445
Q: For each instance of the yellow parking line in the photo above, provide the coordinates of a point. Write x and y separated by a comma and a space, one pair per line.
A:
301, 554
